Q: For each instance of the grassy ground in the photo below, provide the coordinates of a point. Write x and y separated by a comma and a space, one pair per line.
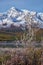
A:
9, 36
4, 37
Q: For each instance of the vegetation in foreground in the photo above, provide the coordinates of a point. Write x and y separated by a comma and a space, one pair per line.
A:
29, 56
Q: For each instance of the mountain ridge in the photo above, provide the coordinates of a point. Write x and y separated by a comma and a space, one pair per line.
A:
18, 17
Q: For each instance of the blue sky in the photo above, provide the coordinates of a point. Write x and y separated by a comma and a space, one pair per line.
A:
33, 5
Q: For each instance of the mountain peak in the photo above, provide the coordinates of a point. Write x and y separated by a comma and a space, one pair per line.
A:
12, 8
15, 9
19, 17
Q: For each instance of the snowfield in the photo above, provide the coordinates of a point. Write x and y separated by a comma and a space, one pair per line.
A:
21, 17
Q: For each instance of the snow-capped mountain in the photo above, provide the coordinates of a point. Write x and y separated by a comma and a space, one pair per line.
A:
20, 18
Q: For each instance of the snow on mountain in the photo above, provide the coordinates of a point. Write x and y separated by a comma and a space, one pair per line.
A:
40, 16
14, 12
21, 17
